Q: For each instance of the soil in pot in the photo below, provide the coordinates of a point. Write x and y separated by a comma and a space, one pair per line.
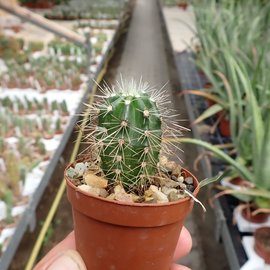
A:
262, 243
119, 235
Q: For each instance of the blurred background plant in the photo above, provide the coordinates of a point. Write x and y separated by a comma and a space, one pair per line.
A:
231, 53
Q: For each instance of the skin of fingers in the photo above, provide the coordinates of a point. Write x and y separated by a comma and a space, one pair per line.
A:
184, 244
67, 244
179, 267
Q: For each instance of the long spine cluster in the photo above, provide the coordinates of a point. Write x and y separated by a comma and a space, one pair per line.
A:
128, 128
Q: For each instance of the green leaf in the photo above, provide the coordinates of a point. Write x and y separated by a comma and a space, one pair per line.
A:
243, 171
264, 160
207, 95
213, 179
214, 109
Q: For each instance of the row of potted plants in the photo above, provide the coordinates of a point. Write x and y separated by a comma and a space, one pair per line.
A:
32, 121
87, 10
27, 106
28, 138
38, 4
231, 53
64, 71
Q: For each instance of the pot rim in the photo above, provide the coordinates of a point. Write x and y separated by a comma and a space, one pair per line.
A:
261, 229
134, 204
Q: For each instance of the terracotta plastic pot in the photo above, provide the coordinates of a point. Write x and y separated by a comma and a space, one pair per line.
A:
183, 6
262, 243
39, 4
258, 218
120, 236
224, 127
238, 183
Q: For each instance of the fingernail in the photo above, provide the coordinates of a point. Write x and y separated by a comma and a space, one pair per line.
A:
70, 260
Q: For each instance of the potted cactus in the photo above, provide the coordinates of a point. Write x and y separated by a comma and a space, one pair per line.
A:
129, 203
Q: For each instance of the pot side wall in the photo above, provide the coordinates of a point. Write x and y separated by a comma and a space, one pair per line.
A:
113, 235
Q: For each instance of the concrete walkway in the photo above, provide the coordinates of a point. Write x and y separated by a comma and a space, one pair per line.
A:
144, 52
145, 55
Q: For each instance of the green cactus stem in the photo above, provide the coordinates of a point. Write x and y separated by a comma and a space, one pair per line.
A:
128, 134
129, 127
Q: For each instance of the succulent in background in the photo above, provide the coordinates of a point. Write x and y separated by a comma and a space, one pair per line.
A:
64, 109
8, 199
3, 186
58, 126
35, 46
101, 37
7, 102
13, 172
45, 103
128, 129
29, 104
54, 106
2, 145
22, 145
23, 172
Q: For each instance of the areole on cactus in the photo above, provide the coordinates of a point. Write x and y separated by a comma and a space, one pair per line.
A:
128, 125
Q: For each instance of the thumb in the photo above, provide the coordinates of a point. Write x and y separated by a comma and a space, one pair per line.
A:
68, 260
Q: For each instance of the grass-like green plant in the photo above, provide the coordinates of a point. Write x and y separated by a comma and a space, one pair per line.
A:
233, 56
250, 123
239, 31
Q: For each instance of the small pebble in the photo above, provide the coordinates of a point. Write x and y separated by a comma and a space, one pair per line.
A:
173, 196
163, 161
167, 190
177, 170
135, 198
99, 192
111, 197
169, 183
190, 188
71, 173
84, 188
171, 165
181, 196
80, 168
181, 179
161, 197
189, 180
95, 181
121, 195
150, 200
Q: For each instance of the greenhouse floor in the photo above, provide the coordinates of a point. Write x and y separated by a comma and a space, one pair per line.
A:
136, 57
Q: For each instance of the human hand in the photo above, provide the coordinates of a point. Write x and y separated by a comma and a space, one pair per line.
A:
65, 257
